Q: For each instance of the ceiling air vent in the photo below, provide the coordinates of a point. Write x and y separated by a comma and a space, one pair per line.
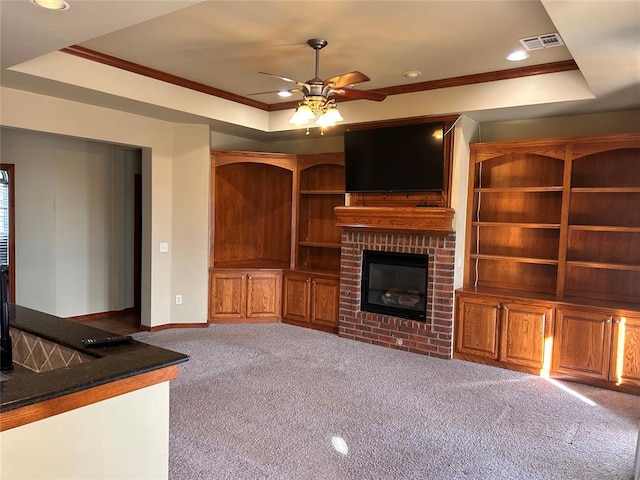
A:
542, 41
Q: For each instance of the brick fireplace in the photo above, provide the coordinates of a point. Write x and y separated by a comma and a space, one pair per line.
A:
433, 337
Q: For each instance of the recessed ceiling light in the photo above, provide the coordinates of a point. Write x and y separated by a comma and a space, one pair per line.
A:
58, 5
284, 93
412, 74
517, 56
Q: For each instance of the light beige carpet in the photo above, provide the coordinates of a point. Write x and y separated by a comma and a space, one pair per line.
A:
274, 401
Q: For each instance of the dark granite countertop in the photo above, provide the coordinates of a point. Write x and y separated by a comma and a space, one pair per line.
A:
112, 363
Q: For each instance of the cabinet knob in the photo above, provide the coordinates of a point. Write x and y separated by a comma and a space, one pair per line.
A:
610, 319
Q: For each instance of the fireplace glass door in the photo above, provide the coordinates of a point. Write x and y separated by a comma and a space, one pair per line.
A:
394, 284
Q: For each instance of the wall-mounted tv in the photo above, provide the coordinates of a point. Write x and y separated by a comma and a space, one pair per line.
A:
404, 158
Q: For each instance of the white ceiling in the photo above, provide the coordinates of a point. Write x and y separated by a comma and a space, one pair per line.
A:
224, 44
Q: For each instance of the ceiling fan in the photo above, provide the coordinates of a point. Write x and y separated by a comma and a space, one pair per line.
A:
316, 92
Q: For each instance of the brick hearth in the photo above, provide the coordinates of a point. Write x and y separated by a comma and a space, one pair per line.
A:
433, 337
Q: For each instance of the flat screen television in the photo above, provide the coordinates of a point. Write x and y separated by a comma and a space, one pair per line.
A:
404, 158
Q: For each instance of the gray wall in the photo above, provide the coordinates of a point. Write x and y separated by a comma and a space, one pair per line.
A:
562, 126
74, 222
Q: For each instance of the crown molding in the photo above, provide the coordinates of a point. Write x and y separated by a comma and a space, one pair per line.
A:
545, 68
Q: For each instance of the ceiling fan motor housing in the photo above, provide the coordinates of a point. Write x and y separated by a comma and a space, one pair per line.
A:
317, 43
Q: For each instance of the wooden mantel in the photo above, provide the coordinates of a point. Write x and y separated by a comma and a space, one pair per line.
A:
431, 220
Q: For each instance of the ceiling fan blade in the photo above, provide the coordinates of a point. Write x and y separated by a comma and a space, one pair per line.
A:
292, 90
360, 94
345, 79
302, 84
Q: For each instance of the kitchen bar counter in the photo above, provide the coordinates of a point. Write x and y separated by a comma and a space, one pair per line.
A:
111, 364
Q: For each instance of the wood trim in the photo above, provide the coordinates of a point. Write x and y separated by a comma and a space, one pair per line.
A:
49, 408
519, 72
245, 319
116, 62
432, 220
95, 316
166, 326
582, 145
545, 68
287, 161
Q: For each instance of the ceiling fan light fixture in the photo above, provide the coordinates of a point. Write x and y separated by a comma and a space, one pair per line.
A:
302, 115
333, 114
316, 103
317, 107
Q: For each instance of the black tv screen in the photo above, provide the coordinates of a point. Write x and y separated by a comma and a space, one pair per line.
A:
405, 158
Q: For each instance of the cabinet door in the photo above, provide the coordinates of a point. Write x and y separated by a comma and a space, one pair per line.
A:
228, 295
296, 297
264, 292
477, 327
582, 343
324, 310
625, 361
524, 329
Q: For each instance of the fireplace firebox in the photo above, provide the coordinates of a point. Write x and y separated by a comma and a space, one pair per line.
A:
394, 284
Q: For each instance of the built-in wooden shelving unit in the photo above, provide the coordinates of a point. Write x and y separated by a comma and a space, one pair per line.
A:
555, 225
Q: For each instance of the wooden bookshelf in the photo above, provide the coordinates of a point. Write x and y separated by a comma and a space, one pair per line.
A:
555, 224
273, 223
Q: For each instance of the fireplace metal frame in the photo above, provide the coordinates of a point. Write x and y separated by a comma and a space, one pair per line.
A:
393, 258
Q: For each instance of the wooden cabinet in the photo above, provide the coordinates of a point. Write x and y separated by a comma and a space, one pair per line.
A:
625, 353
557, 222
245, 296
503, 332
311, 300
597, 345
526, 331
310, 291
269, 213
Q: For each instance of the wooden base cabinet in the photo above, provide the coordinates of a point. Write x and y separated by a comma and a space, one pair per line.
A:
310, 300
503, 332
591, 345
245, 296
597, 345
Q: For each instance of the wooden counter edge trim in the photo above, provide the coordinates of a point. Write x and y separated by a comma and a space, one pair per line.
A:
48, 408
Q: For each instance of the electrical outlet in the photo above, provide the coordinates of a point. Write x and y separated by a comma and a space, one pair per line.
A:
178, 299
164, 247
